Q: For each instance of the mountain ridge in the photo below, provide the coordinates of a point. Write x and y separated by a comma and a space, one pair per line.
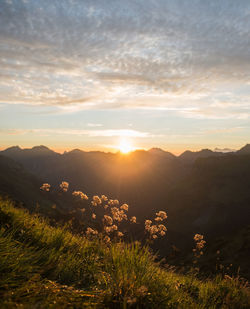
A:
154, 150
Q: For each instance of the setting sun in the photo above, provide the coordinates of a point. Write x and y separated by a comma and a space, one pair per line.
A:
125, 146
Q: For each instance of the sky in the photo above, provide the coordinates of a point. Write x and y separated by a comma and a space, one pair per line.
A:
89, 74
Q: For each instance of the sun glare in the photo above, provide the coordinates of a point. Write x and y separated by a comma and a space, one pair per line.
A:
125, 146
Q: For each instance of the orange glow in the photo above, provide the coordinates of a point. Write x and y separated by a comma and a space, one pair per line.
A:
125, 146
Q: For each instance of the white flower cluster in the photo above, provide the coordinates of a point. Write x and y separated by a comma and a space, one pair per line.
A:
80, 194
156, 230
64, 186
45, 187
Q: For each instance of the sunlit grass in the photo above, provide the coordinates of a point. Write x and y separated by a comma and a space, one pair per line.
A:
43, 266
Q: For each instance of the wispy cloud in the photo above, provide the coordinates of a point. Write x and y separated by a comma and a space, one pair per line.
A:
225, 130
91, 133
93, 125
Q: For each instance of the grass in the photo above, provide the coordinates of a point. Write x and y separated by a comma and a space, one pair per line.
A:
49, 267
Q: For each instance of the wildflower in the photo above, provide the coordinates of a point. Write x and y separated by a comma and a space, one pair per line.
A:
153, 229
108, 219
148, 222
120, 234
118, 215
96, 199
110, 202
198, 237
91, 231
104, 198
106, 206
162, 227
64, 186
115, 213
133, 219
45, 187
80, 194
93, 216
154, 236
200, 243
158, 219
148, 225
124, 207
123, 215
162, 233
106, 239
108, 229
162, 214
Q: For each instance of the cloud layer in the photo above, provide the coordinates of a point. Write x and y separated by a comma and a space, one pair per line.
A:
192, 57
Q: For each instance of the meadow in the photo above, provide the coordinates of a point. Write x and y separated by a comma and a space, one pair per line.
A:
44, 266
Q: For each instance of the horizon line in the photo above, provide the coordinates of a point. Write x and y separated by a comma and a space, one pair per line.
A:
216, 149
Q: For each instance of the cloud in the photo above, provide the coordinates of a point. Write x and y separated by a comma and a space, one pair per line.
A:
93, 125
119, 54
90, 133
225, 130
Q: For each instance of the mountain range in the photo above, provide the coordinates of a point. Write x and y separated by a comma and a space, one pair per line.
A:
204, 192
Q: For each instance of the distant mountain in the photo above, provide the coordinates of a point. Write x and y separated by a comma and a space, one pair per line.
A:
224, 150
202, 192
16, 152
214, 198
143, 173
20, 185
190, 156
160, 152
244, 150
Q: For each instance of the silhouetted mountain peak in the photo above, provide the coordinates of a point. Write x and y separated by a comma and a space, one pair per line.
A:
12, 149
73, 152
206, 151
160, 152
41, 148
156, 150
245, 149
191, 156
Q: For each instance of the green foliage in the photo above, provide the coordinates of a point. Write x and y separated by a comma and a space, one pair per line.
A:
43, 266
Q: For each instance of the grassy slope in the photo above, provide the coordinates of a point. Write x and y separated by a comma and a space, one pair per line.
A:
43, 266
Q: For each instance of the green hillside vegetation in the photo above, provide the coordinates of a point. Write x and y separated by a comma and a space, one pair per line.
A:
21, 185
43, 266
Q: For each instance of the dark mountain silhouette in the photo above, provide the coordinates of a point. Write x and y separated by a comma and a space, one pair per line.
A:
142, 173
201, 191
224, 150
190, 156
20, 185
160, 152
244, 150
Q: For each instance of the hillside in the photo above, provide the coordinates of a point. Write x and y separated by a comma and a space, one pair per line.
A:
42, 266
144, 174
19, 184
210, 196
